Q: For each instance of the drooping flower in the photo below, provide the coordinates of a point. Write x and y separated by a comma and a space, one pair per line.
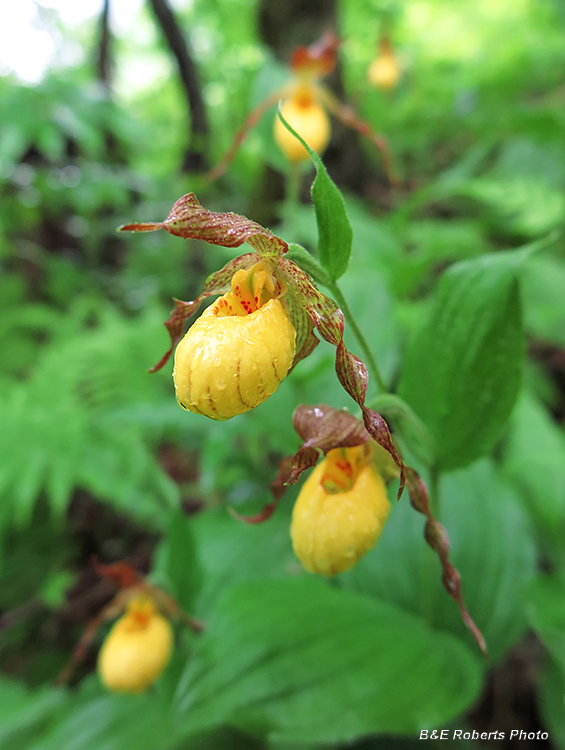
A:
239, 350
305, 114
340, 512
139, 646
384, 72
137, 649
342, 507
309, 311
234, 356
306, 105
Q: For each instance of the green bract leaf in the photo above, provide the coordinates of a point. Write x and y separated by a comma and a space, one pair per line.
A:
463, 368
299, 661
334, 231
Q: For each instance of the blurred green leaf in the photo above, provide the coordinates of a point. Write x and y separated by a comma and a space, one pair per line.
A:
111, 722
546, 611
55, 587
334, 230
177, 567
231, 552
304, 662
529, 206
463, 367
24, 712
534, 456
544, 301
552, 702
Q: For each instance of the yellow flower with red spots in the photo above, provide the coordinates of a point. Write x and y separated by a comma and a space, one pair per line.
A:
239, 350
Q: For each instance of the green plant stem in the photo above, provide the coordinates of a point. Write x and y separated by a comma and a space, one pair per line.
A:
352, 323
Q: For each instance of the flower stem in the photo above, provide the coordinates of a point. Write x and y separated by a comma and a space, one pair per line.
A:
368, 354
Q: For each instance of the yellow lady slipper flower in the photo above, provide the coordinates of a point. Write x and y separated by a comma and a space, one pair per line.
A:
340, 512
304, 114
239, 350
137, 649
384, 72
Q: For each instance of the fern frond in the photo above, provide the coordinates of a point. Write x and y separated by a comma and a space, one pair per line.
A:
70, 424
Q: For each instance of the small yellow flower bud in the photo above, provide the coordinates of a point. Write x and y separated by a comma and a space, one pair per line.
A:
239, 350
309, 119
340, 511
384, 71
137, 649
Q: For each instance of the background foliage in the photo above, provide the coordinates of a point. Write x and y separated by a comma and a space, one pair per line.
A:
457, 280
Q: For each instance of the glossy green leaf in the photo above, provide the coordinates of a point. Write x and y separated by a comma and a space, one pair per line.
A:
299, 661
463, 367
490, 545
334, 230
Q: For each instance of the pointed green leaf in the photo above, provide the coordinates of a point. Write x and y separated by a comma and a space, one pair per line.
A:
334, 230
463, 367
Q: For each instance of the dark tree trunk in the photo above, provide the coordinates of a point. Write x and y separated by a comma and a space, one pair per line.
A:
196, 154
104, 56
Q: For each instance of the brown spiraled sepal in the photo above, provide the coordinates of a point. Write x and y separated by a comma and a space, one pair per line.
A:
437, 538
